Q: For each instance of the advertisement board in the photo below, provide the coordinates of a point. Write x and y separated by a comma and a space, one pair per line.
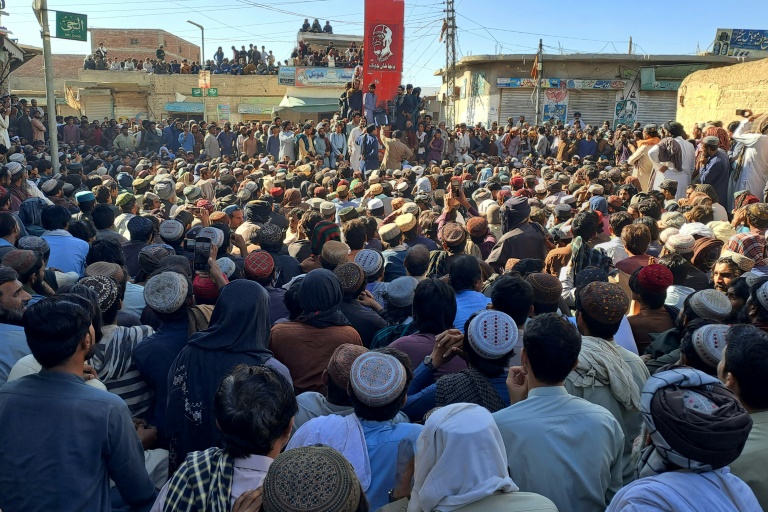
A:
323, 77
739, 42
384, 43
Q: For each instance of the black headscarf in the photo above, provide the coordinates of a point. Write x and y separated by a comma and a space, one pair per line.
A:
238, 333
319, 297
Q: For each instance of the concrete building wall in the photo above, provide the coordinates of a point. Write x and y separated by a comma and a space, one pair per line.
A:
142, 43
715, 94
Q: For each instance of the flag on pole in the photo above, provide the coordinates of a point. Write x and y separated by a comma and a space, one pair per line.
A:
535, 69
443, 30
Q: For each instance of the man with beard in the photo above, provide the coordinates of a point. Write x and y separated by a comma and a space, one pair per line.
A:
61, 337
13, 342
30, 267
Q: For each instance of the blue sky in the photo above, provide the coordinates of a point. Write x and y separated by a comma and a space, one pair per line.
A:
484, 26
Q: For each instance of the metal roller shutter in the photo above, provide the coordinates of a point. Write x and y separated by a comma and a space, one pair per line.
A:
516, 103
129, 105
98, 107
594, 106
657, 107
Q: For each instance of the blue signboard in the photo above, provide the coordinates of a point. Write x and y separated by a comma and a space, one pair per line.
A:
181, 106
739, 42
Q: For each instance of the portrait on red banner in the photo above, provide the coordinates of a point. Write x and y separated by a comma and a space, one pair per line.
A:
385, 47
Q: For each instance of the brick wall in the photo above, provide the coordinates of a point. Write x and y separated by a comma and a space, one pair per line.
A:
142, 43
715, 94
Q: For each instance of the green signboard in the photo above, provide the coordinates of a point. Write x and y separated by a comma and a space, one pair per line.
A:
71, 26
213, 91
197, 92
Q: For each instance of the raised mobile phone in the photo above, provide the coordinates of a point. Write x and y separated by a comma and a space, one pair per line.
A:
202, 253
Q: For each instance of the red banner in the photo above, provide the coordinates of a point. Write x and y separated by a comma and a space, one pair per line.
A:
384, 44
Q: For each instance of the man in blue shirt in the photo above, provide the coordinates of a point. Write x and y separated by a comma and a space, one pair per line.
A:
226, 140
587, 147
63, 441
378, 387
13, 343
67, 252
560, 446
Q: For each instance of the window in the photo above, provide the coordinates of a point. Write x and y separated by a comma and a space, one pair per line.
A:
180, 49
134, 42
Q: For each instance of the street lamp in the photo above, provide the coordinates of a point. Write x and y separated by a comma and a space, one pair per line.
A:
202, 60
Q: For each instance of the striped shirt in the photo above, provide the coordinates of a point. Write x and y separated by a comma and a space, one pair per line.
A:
116, 368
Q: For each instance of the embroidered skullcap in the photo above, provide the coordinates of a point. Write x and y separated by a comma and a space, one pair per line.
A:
406, 222
359, 188
259, 265
204, 203
164, 189
104, 268
376, 189
215, 234
401, 290
270, 234
673, 219
14, 167
709, 341
477, 227
453, 234
166, 292
348, 213
758, 210
722, 230
397, 203
49, 185
335, 252
370, 261
596, 189
492, 334
350, 275
605, 303
710, 304
311, 479
171, 230
745, 264
34, 243
411, 208
655, 278
140, 227
327, 208
227, 266
22, 261
192, 192
340, 363
389, 232
377, 379
85, 196
16, 158
481, 195
150, 256
696, 229
762, 293
105, 288
547, 289
314, 203
680, 244
668, 185
204, 288
124, 198
590, 275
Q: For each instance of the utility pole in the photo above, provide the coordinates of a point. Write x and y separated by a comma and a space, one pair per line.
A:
202, 64
41, 9
539, 68
630, 45
450, 63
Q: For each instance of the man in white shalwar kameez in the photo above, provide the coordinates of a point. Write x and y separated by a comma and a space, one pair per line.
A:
754, 171
355, 152
682, 175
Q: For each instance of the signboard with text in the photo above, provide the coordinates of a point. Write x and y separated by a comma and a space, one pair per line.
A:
737, 42
286, 75
556, 83
384, 44
70, 25
223, 112
323, 77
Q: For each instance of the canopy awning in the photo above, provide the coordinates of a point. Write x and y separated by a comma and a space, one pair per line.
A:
308, 105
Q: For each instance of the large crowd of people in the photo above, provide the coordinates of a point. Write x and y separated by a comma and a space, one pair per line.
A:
375, 312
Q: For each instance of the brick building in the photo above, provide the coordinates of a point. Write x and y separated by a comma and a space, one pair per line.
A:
717, 93
142, 43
